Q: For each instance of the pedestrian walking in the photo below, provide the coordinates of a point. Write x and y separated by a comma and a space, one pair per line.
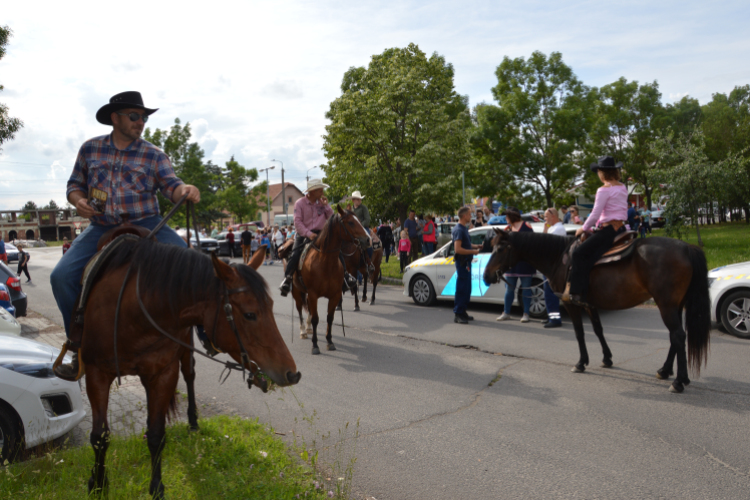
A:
265, 241
464, 254
553, 225
230, 241
565, 214
66, 245
23, 261
404, 247
278, 241
412, 227
429, 235
645, 222
247, 238
254, 244
3, 254
385, 233
522, 271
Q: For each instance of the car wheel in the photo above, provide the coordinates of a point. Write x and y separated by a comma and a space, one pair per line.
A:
735, 314
422, 291
11, 439
538, 308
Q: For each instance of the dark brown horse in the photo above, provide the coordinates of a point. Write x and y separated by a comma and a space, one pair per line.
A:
322, 274
178, 288
356, 263
674, 273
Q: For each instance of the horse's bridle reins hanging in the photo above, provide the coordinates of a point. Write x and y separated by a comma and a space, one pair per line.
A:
227, 306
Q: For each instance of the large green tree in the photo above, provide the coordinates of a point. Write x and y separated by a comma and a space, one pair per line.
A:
541, 120
629, 118
398, 133
8, 125
235, 195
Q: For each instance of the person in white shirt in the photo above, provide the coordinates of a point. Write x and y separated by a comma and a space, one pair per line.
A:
552, 225
278, 239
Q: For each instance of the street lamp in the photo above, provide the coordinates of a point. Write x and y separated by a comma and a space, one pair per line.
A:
268, 195
308, 172
283, 192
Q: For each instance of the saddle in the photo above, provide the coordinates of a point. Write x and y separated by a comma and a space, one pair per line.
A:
622, 248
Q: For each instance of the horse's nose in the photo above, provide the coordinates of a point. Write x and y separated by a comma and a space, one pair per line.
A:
293, 378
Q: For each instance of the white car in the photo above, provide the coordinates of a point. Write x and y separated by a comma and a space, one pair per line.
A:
35, 405
8, 324
729, 287
11, 251
433, 277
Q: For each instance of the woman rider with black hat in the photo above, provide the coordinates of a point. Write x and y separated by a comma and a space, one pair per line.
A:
609, 213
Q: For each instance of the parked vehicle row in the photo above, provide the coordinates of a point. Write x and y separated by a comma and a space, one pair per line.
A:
13, 285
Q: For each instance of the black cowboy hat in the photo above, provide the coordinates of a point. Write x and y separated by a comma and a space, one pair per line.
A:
605, 162
122, 100
512, 211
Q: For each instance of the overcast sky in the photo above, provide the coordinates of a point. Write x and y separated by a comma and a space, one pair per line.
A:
255, 79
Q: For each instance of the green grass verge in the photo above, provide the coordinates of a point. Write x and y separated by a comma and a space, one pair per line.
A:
722, 243
392, 269
228, 458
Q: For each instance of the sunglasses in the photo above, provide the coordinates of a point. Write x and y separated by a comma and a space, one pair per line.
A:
134, 117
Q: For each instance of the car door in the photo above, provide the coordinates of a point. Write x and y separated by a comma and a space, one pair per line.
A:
479, 289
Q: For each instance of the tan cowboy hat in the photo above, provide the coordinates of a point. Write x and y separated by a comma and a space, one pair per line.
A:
313, 184
357, 194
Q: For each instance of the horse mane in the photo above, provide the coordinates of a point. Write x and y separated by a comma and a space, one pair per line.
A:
325, 233
179, 276
540, 246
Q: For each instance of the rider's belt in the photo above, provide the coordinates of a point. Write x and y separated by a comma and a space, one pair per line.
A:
616, 224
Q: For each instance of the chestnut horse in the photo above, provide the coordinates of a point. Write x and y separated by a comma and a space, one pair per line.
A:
322, 274
168, 290
355, 263
674, 273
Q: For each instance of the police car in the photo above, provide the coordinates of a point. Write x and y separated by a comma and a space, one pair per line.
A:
433, 277
729, 287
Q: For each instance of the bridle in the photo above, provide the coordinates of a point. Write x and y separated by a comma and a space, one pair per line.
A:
352, 239
246, 363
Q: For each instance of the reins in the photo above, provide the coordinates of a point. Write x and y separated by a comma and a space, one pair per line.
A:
227, 306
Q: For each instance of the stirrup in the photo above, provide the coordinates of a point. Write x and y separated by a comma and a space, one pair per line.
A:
76, 366
285, 286
565, 297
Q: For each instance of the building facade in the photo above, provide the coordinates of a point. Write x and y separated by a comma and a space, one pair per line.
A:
48, 225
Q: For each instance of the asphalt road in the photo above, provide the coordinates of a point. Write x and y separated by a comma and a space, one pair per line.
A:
491, 410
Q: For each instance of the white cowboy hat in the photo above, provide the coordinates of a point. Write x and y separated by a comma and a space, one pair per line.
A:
357, 194
315, 184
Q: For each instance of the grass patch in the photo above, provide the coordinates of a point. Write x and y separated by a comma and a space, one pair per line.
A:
722, 243
392, 269
228, 458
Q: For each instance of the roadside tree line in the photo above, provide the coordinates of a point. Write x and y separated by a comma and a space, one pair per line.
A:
400, 133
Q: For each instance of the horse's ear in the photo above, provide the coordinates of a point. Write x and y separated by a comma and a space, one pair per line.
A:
340, 210
222, 270
257, 259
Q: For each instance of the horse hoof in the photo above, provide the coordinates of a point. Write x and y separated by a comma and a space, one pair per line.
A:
676, 387
331, 347
578, 369
662, 374
607, 363
315, 350
356, 308
372, 302
193, 428
302, 335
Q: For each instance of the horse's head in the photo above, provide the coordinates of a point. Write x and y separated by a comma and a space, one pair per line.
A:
503, 257
251, 311
353, 229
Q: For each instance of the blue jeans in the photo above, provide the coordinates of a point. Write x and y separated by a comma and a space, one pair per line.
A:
553, 304
463, 288
66, 277
429, 247
510, 292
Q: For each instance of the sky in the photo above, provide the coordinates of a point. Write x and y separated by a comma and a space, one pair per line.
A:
255, 79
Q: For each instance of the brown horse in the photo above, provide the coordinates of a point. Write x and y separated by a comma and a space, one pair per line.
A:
171, 289
322, 274
355, 263
671, 271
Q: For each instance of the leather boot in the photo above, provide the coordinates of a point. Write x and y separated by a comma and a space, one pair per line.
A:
286, 286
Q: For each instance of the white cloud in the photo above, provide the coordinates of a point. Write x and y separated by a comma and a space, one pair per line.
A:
255, 79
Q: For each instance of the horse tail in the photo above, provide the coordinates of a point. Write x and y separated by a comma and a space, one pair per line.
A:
697, 311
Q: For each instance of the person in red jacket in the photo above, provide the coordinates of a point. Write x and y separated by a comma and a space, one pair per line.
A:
66, 244
230, 240
404, 247
429, 238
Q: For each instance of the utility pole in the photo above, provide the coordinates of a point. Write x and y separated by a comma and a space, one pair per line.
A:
268, 196
283, 191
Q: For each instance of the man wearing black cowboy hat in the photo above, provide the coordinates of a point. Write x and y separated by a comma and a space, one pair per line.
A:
114, 174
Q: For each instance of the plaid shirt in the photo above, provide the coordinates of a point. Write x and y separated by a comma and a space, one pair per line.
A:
130, 177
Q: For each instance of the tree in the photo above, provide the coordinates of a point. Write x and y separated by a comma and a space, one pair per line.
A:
51, 206
8, 126
541, 120
30, 205
235, 196
398, 133
629, 118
